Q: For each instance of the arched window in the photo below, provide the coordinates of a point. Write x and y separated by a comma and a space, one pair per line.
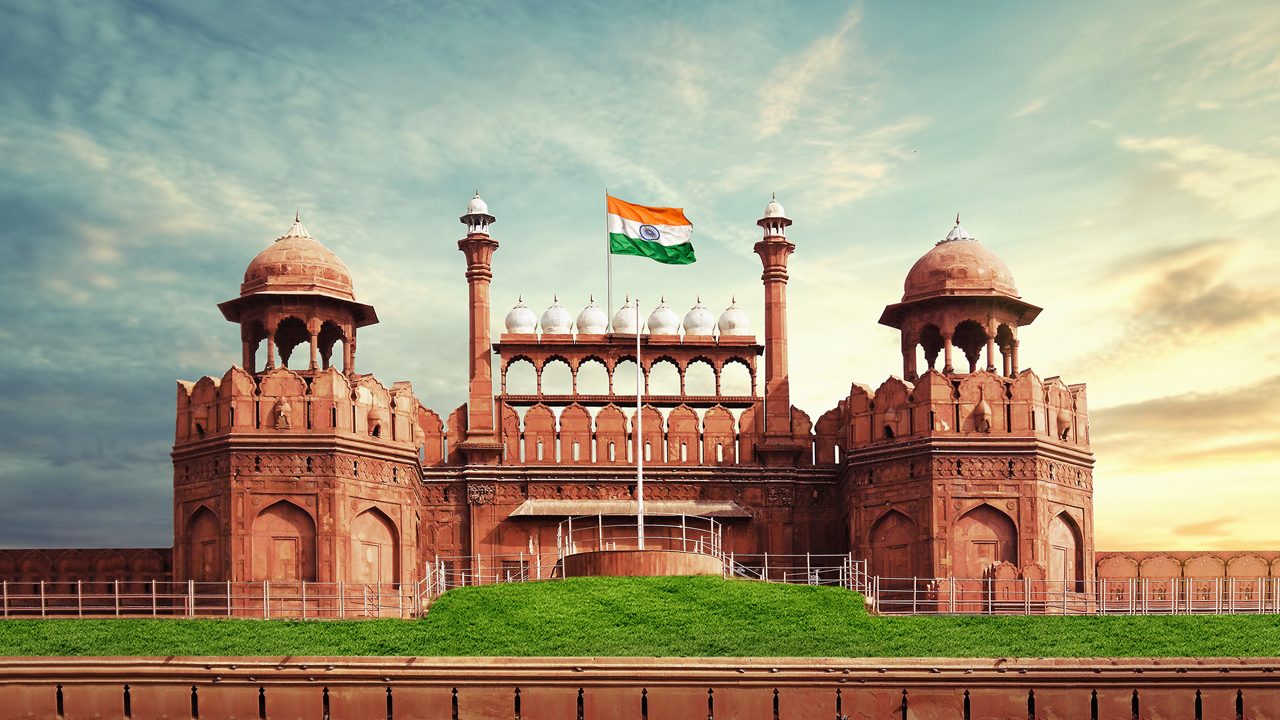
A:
521, 378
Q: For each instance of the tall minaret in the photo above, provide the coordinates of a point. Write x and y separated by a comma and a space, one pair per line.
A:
777, 447
481, 445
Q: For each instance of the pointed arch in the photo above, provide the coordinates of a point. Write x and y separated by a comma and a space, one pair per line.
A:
718, 447
983, 537
892, 540
284, 544
539, 436
575, 435
611, 436
204, 546
1066, 552
375, 548
683, 442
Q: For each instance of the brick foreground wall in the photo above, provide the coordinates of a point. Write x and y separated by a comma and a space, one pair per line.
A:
636, 688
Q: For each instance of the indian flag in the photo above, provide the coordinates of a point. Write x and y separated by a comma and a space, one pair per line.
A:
660, 233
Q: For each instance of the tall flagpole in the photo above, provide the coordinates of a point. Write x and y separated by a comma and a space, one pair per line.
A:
608, 263
639, 436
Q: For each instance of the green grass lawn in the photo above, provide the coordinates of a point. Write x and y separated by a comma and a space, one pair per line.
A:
662, 617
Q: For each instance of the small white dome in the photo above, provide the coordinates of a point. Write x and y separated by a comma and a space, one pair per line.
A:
958, 232
663, 320
624, 321
699, 320
733, 321
556, 320
477, 206
592, 320
774, 209
521, 319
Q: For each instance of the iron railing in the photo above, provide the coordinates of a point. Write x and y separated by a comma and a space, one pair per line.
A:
1103, 596
157, 598
685, 533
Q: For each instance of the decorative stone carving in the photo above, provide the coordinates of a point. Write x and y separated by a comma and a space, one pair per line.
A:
480, 494
281, 413
780, 496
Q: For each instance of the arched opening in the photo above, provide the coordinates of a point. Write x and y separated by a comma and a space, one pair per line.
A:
892, 541
593, 378
290, 333
664, 378
521, 378
557, 379
970, 338
284, 544
1066, 553
931, 343
984, 536
735, 379
624, 378
699, 378
375, 549
204, 551
253, 334
1005, 340
330, 338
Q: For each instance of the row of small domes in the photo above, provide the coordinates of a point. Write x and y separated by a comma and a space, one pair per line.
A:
556, 320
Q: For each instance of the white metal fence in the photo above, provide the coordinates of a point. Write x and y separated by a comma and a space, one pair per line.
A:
157, 598
685, 533
1105, 596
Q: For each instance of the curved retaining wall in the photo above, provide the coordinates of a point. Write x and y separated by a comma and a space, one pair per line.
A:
647, 563
636, 688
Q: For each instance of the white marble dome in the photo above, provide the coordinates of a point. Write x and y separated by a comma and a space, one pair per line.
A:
734, 321
774, 209
663, 320
699, 320
592, 320
556, 320
521, 319
477, 206
624, 321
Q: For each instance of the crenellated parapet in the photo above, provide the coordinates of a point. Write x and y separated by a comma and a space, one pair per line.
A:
324, 402
976, 405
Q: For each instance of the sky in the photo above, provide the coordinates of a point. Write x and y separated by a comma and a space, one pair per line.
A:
1122, 158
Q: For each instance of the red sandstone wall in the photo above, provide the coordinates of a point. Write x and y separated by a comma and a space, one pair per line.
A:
1164, 564
125, 564
635, 689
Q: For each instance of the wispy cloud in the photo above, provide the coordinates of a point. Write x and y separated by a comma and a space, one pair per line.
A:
787, 92
1031, 108
1243, 184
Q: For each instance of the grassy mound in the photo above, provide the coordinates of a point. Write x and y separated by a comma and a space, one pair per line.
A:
664, 617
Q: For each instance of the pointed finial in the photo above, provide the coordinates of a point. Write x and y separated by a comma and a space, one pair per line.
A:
591, 298
699, 299
555, 297
477, 192
957, 218
297, 216
773, 195
520, 298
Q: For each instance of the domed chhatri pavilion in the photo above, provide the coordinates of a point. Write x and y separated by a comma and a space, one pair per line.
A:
291, 470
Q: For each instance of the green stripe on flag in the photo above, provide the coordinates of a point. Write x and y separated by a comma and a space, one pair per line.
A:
681, 254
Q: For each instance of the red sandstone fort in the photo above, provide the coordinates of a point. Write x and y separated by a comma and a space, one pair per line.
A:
295, 466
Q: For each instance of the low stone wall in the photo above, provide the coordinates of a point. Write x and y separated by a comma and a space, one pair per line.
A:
643, 563
636, 688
